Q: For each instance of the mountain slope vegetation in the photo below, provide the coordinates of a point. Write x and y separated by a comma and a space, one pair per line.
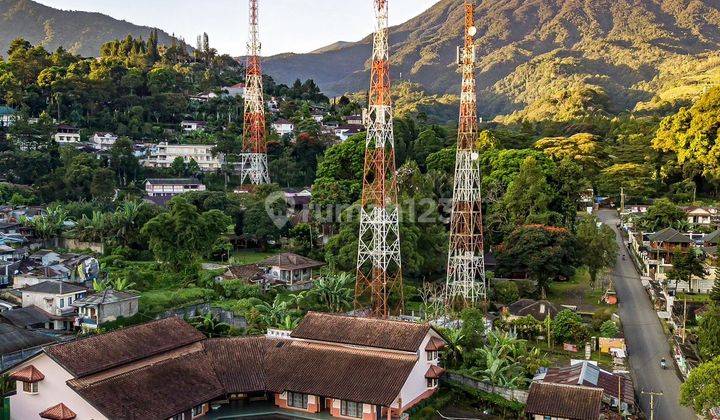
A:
78, 32
649, 54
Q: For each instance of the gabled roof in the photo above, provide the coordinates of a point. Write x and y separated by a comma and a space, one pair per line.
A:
385, 334
14, 339
290, 261
670, 235
58, 412
28, 374
564, 401
100, 352
712, 238
435, 344
105, 297
537, 309
587, 374
434, 372
26, 317
54, 287
239, 363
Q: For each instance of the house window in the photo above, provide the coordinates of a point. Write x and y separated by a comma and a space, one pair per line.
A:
432, 383
197, 410
432, 355
297, 400
30, 388
69, 301
351, 409
180, 416
62, 302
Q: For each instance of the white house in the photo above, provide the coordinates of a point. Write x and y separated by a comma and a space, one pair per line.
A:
354, 119
105, 306
7, 116
237, 90
345, 131
168, 187
317, 116
332, 365
164, 154
283, 126
190, 126
67, 134
103, 141
56, 299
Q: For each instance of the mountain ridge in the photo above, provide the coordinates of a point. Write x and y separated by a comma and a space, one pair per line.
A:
78, 32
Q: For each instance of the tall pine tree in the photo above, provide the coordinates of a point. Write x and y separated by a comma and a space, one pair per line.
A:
715, 292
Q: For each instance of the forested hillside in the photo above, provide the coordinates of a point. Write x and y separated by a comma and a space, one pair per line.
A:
621, 54
78, 32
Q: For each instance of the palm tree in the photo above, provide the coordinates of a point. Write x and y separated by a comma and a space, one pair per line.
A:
297, 299
7, 385
49, 225
289, 323
210, 325
92, 229
122, 284
100, 285
273, 314
454, 350
125, 220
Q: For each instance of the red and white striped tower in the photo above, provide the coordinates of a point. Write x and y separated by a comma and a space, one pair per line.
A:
253, 160
379, 268
466, 264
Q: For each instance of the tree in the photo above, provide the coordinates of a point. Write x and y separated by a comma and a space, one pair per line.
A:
687, 264
528, 194
701, 390
715, 292
709, 333
182, 235
569, 328
662, 214
609, 329
506, 292
600, 246
546, 253
583, 148
210, 325
335, 291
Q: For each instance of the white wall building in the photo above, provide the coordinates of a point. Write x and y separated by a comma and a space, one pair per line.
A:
190, 126
164, 154
103, 141
168, 187
56, 299
67, 134
235, 90
283, 126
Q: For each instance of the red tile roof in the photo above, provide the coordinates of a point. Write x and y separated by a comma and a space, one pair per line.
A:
28, 374
385, 334
239, 363
434, 372
435, 344
101, 352
58, 412
564, 401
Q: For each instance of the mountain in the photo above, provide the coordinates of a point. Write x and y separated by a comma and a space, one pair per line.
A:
632, 54
79, 32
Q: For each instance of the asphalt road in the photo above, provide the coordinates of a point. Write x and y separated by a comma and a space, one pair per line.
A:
645, 339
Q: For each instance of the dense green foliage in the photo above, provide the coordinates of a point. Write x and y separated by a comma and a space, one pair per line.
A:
701, 390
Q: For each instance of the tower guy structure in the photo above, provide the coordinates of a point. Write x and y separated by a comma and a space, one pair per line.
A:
466, 265
379, 268
253, 161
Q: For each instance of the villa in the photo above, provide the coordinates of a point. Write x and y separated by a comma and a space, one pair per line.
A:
166, 369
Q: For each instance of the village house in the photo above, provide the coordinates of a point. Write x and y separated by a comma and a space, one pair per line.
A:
538, 309
54, 299
587, 374
662, 245
318, 116
105, 306
17, 344
345, 131
166, 369
190, 126
283, 127
291, 271
103, 142
236, 90
67, 134
49, 265
170, 187
355, 120
563, 402
203, 97
164, 154
701, 216
7, 116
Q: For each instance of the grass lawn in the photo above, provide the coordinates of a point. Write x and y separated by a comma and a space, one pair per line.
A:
578, 292
248, 256
693, 298
561, 358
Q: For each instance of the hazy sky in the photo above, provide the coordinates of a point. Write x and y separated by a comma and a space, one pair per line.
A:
286, 25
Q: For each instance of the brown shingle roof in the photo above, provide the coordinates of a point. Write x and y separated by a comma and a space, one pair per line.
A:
434, 372
100, 352
386, 334
155, 391
587, 374
28, 374
239, 363
58, 412
564, 401
435, 344
290, 261
372, 377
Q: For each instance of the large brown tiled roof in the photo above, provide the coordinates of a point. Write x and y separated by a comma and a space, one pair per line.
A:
290, 261
156, 391
564, 401
587, 374
239, 363
386, 334
14, 339
372, 377
28, 374
58, 412
100, 352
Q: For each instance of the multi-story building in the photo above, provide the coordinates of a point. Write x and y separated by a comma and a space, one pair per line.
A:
103, 141
330, 365
165, 154
168, 187
283, 126
190, 126
67, 134
105, 306
55, 299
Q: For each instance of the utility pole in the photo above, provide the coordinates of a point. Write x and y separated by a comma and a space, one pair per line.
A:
622, 199
685, 317
652, 401
466, 264
253, 161
379, 267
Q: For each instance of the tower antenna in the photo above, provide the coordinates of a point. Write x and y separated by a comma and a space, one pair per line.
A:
379, 268
253, 161
466, 264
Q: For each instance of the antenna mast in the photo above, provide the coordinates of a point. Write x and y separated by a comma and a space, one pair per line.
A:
253, 160
379, 268
466, 265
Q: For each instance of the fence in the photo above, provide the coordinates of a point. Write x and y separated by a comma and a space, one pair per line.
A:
509, 394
